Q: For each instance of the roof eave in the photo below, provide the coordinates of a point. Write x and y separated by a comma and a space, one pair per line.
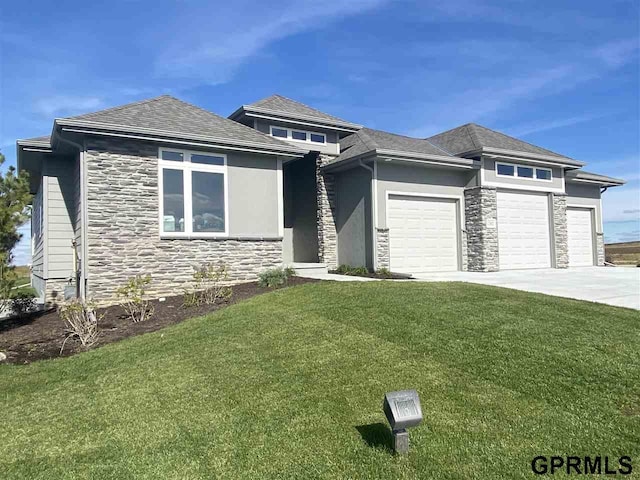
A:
404, 157
602, 181
501, 152
83, 126
266, 113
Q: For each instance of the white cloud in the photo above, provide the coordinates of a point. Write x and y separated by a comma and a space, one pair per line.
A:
212, 55
22, 251
618, 53
544, 125
66, 104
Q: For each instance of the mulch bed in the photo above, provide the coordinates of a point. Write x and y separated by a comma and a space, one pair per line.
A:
39, 335
388, 276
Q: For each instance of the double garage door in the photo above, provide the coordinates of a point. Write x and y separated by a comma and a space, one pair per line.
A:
423, 233
524, 237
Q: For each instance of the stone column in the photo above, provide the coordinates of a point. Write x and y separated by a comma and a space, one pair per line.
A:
382, 248
326, 214
600, 248
560, 235
481, 224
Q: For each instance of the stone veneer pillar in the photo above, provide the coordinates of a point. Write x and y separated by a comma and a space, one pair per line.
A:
560, 234
382, 248
481, 225
326, 214
600, 248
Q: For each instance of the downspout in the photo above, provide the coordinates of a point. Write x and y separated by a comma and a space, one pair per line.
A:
83, 208
374, 211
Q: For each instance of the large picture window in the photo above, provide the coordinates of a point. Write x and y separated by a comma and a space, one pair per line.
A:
193, 193
523, 171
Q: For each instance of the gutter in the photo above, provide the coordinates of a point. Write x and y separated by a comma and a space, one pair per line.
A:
110, 129
250, 110
81, 289
524, 156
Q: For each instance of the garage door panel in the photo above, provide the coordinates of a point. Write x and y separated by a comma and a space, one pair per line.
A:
422, 234
523, 230
580, 237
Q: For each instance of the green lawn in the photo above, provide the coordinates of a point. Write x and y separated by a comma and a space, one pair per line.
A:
289, 385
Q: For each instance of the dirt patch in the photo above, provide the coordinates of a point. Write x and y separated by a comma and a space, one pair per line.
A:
40, 335
380, 276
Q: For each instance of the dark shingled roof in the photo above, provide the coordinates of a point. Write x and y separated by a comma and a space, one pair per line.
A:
472, 136
367, 139
179, 119
290, 108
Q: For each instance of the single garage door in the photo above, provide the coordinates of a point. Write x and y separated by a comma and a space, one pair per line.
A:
523, 230
580, 233
423, 234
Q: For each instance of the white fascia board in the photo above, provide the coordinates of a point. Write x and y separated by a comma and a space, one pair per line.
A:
107, 129
524, 157
203, 144
250, 111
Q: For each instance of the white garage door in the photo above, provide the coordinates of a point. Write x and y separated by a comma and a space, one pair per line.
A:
580, 232
422, 234
523, 230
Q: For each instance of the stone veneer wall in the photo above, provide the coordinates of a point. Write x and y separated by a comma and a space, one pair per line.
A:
382, 248
123, 231
481, 225
560, 233
600, 248
327, 234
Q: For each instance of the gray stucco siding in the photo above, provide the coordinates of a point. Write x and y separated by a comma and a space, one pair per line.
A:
253, 195
330, 147
123, 222
354, 216
393, 177
587, 196
489, 177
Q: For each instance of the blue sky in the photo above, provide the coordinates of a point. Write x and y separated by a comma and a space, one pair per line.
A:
562, 75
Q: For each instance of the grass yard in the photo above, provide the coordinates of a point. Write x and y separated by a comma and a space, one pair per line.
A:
289, 385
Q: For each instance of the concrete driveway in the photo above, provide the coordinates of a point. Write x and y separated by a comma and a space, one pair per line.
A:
618, 286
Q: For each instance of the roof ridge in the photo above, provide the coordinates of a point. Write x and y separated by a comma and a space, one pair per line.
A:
438, 147
120, 107
473, 135
520, 140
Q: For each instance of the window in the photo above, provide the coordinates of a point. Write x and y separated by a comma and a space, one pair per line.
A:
505, 169
523, 171
298, 135
279, 132
318, 138
543, 174
193, 193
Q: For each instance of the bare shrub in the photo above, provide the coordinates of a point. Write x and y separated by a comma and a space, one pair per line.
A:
132, 298
211, 285
82, 322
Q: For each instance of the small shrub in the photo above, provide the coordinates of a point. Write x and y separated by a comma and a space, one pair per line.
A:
211, 286
355, 271
82, 322
275, 277
384, 273
132, 298
23, 302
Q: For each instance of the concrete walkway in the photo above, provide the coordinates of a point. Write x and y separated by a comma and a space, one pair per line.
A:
619, 286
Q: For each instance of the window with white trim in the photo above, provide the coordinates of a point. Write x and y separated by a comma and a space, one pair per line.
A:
297, 135
523, 171
193, 193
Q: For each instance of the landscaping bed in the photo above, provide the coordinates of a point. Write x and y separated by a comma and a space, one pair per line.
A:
40, 335
382, 274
